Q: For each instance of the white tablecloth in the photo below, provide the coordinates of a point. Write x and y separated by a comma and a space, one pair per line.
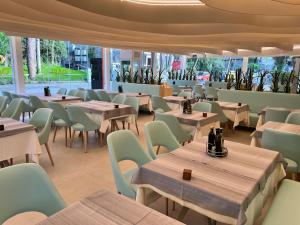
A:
237, 117
20, 145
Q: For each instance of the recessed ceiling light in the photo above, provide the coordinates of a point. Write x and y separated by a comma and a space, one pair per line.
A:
166, 2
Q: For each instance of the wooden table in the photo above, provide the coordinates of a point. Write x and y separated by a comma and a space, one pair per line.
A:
198, 121
106, 208
55, 98
105, 111
144, 99
18, 139
230, 190
176, 102
235, 113
283, 127
262, 114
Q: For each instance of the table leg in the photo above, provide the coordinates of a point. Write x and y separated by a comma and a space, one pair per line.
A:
253, 142
140, 195
182, 213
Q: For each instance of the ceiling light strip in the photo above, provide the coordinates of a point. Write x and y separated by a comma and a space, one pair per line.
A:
166, 2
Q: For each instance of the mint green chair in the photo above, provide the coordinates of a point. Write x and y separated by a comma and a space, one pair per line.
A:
285, 206
81, 93
61, 91
103, 96
216, 108
202, 107
42, 119
3, 103
7, 94
37, 103
159, 103
61, 119
124, 145
26, 188
159, 134
185, 94
91, 95
134, 102
211, 93
175, 89
119, 99
27, 108
199, 91
293, 118
285, 143
72, 92
13, 95
14, 109
182, 134
82, 123
276, 115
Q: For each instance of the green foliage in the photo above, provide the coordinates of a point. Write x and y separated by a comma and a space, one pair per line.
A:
60, 50
238, 79
280, 62
275, 80
249, 79
4, 44
287, 81
262, 77
254, 64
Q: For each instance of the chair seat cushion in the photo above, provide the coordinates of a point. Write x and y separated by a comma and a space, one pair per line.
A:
285, 206
292, 166
78, 127
60, 123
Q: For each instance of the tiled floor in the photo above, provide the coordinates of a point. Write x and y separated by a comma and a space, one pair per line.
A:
77, 174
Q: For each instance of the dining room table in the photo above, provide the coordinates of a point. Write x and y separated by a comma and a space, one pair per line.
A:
176, 102
278, 126
62, 99
262, 114
108, 208
144, 100
200, 121
235, 112
18, 139
105, 112
231, 190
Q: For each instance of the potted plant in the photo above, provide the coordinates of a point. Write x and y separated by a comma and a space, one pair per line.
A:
261, 84
249, 79
275, 81
238, 78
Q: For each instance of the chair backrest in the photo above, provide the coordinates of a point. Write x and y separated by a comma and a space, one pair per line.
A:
36, 102
173, 124
185, 94
175, 89
60, 112
124, 145
13, 95
198, 91
293, 118
14, 109
134, 102
78, 115
276, 115
43, 117
202, 107
283, 142
72, 92
211, 92
159, 103
159, 134
91, 95
119, 99
216, 108
61, 91
3, 103
81, 94
25, 188
103, 96
7, 94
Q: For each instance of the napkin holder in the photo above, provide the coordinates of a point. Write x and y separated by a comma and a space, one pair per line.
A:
187, 174
63, 97
1, 127
47, 91
204, 114
116, 106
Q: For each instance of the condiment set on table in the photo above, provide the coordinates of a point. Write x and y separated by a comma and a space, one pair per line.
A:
215, 146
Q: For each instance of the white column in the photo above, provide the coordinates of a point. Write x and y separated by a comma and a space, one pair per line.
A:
17, 63
106, 68
245, 64
154, 62
296, 75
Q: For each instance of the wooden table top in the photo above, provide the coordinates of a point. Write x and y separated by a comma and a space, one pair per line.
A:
283, 127
263, 111
52, 98
13, 127
106, 208
178, 99
194, 119
233, 106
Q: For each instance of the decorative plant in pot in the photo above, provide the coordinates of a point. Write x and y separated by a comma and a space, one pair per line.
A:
173, 74
287, 81
146, 80
261, 84
136, 76
169, 75
275, 80
249, 79
229, 79
152, 77
238, 79
160, 73
128, 76
118, 77
141, 77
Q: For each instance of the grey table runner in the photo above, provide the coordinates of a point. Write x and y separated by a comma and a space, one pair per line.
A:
12, 127
106, 109
106, 208
225, 186
194, 119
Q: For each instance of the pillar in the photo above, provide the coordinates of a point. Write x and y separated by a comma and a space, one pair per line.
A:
17, 63
106, 68
245, 64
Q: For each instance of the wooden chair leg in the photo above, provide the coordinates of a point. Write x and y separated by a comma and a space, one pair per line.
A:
173, 206
11, 161
128, 126
70, 132
157, 150
72, 139
27, 158
123, 123
49, 154
23, 117
167, 206
54, 135
137, 128
84, 135
66, 136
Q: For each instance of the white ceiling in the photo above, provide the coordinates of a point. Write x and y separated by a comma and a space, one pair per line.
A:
223, 27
